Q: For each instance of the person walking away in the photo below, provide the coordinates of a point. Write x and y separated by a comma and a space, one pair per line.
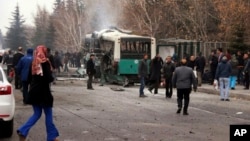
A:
200, 66
168, 70
213, 65
155, 76
223, 72
23, 69
17, 56
8, 60
40, 96
143, 74
246, 71
183, 79
240, 67
91, 71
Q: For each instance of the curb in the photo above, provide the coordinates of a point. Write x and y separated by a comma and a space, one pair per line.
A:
233, 94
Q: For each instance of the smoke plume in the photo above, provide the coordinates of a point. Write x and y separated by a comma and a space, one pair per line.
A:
104, 13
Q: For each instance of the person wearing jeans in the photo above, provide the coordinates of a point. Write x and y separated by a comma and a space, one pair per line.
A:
142, 74
224, 88
50, 127
223, 73
40, 96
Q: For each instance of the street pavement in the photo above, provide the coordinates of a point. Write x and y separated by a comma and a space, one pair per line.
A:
106, 115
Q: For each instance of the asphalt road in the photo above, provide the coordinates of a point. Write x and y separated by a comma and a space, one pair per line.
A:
107, 115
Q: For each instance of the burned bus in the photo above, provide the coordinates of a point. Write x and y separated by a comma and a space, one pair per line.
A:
121, 52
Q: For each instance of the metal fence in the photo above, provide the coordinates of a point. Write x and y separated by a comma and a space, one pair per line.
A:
182, 47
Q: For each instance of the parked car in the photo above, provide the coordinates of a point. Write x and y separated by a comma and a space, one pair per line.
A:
7, 106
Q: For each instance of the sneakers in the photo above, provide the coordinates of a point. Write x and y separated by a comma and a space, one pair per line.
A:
185, 113
225, 99
150, 91
21, 137
143, 96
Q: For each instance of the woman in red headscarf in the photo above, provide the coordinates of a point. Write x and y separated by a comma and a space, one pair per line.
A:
40, 96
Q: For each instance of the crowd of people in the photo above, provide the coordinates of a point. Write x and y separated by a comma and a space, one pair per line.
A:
225, 70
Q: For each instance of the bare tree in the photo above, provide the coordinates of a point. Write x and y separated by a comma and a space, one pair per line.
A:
68, 21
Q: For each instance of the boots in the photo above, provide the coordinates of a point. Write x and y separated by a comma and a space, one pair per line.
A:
185, 112
178, 111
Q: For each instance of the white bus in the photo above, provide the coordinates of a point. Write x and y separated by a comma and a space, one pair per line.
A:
121, 52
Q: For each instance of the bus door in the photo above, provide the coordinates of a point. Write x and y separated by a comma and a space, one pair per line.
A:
166, 50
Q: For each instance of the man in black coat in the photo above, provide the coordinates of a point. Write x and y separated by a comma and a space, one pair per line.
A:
16, 59
155, 76
246, 70
91, 71
200, 64
168, 70
213, 62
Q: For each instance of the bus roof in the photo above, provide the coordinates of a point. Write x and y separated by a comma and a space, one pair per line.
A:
115, 35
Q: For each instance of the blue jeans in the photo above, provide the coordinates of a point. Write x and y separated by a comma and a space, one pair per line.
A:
142, 81
25, 91
224, 87
52, 132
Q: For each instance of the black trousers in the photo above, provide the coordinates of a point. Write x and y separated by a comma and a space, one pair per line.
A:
169, 87
18, 83
183, 93
247, 80
89, 85
154, 85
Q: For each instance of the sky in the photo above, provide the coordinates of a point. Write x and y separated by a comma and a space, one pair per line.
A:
27, 9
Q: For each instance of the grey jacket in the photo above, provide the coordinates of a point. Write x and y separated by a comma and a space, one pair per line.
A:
184, 78
143, 68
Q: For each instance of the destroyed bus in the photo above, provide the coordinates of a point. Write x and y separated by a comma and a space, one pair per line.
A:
119, 53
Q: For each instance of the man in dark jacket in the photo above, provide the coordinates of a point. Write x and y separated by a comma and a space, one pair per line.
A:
246, 70
213, 64
183, 80
155, 76
23, 69
168, 70
240, 67
223, 73
91, 71
191, 62
16, 59
142, 74
200, 66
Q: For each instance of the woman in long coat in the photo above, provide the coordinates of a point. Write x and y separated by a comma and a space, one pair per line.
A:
40, 96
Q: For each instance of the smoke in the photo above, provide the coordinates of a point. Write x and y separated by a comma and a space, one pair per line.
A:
104, 13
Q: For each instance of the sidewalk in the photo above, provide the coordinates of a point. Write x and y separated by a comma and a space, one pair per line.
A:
238, 93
